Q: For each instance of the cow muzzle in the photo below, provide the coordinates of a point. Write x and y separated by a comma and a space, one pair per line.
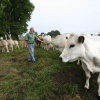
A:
60, 58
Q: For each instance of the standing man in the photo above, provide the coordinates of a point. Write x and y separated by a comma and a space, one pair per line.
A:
30, 38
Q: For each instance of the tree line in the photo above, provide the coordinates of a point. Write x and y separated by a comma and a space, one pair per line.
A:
52, 33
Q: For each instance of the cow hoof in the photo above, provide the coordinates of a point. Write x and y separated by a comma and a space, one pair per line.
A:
86, 89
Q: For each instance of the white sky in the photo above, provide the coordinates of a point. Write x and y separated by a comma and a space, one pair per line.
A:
66, 16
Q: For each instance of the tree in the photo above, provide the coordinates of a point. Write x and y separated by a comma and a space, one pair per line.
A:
53, 33
16, 14
3, 22
42, 33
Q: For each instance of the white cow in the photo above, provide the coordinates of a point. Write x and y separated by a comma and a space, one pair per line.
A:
87, 49
10, 43
3, 44
59, 41
47, 40
15, 42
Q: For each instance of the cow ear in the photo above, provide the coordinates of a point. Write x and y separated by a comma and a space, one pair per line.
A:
81, 39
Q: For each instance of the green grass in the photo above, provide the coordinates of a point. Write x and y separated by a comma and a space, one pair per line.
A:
46, 79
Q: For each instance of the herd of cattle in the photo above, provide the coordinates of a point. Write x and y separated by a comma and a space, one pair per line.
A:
7, 45
82, 47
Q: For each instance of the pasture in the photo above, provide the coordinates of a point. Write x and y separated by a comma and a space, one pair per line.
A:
46, 79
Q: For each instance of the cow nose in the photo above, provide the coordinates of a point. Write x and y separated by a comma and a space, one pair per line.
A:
60, 58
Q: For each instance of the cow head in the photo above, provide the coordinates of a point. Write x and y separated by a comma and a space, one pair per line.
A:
73, 48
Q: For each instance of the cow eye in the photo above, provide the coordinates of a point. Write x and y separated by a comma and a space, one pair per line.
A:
71, 46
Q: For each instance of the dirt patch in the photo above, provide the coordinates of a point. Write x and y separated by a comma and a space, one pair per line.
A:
1, 75
14, 59
69, 97
74, 76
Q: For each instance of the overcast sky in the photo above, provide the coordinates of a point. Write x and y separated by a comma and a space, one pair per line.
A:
66, 16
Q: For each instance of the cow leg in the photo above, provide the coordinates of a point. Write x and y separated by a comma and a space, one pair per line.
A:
78, 62
7, 49
88, 75
98, 80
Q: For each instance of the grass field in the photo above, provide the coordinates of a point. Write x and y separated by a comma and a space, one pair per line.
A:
46, 79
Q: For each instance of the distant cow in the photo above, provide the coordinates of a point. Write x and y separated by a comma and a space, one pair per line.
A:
87, 49
59, 41
38, 43
47, 40
4, 45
